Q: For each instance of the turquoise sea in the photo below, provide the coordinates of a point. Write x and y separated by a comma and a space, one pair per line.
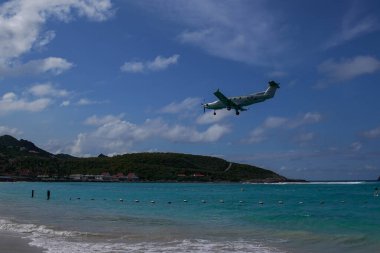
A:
178, 217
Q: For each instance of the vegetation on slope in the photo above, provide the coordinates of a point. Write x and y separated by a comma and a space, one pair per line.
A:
23, 158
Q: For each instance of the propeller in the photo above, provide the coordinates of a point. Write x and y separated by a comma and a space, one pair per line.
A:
204, 106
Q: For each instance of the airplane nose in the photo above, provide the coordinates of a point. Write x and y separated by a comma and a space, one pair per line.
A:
204, 107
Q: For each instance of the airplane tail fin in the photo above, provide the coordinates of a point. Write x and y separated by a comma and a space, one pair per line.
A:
273, 86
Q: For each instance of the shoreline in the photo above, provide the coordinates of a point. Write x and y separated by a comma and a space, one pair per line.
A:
13, 242
258, 181
204, 182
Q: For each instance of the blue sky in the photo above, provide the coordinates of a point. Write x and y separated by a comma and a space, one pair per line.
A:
87, 77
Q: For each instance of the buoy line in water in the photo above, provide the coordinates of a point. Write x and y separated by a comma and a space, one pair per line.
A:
220, 201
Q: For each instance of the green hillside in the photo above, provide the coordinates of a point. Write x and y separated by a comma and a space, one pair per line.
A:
23, 158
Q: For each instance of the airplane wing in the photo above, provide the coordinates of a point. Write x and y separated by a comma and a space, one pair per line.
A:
228, 102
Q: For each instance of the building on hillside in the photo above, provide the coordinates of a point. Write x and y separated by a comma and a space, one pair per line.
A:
119, 177
132, 176
24, 172
6, 179
107, 176
76, 177
99, 178
88, 177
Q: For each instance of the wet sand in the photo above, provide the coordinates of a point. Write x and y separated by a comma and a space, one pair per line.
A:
13, 243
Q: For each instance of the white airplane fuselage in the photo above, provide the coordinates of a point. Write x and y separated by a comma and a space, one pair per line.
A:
239, 102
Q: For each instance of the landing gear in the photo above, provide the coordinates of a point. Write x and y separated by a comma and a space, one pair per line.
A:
237, 112
214, 112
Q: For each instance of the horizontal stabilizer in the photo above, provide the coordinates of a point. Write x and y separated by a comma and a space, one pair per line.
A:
274, 84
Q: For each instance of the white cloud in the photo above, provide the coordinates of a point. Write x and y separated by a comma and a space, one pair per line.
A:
356, 146
179, 133
133, 67
21, 30
274, 122
9, 97
9, 102
80, 102
187, 104
97, 10
372, 134
115, 135
311, 117
86, 101
354, 25
47, 89
97, 121
52, 65
112, 134
240, 31
45, 39
158, 64
65, 103
259, 134
10, 131
347, 69
161, 63
35, 99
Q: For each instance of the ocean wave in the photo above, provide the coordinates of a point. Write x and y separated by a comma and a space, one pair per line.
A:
56, 241
196, 246
8, 225
338, 182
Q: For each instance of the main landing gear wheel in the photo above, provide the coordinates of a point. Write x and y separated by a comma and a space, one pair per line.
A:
237, 112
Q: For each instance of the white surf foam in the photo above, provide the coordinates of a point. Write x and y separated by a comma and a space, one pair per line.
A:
54, 241
195, 246
28, 229
337, 182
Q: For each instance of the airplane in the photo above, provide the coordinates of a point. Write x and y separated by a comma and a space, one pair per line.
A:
238, 103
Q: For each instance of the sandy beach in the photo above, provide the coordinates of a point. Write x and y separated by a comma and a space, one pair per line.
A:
13, 243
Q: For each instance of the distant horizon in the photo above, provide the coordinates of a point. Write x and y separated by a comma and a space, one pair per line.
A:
114, 77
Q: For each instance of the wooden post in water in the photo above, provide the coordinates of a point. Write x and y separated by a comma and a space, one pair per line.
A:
32, 193
48, 195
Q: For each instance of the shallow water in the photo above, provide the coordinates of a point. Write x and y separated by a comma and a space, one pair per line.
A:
170, 217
